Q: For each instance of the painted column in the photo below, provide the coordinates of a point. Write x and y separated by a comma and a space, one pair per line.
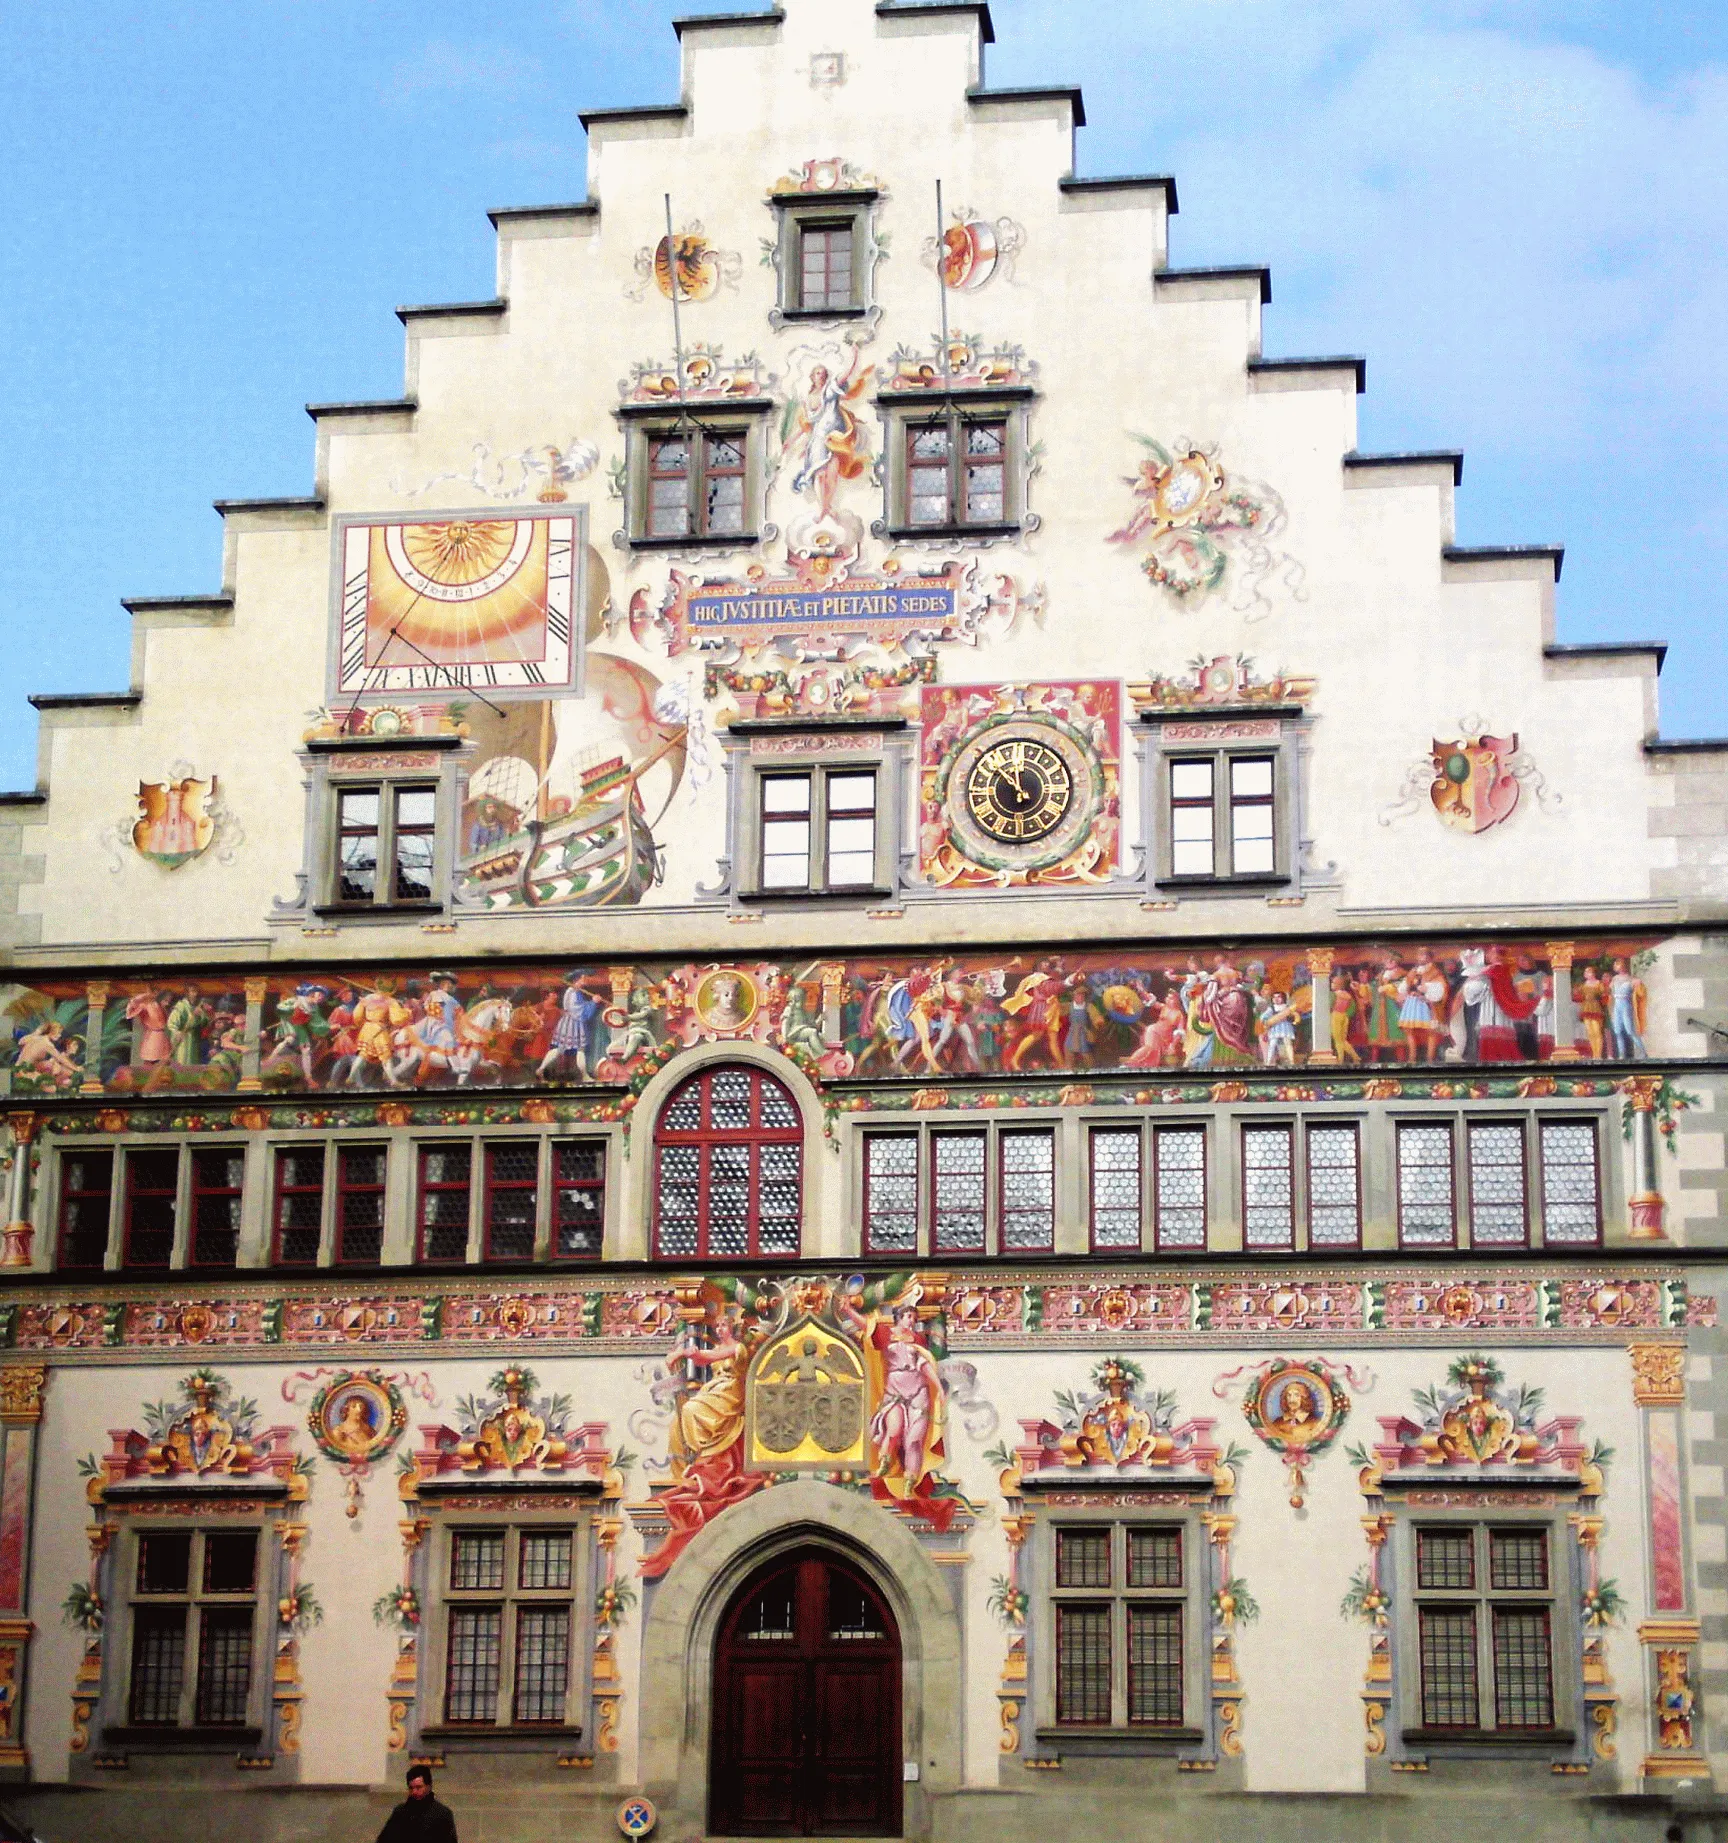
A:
17, 1238
21, 1389
250, 1079
1645, 1204
1565, 1013
1670, 1636
622, 980
96, 996
1321, 1052
833, 1003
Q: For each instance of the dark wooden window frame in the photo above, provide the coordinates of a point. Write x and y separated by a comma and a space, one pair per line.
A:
915, 1140
389, 832
347, 1187
202, 1191
561, 1185
426, 1188
281, 1191
1472, 1125
492, 1186
70, 1195
705, 1138
1399, 1128
1288, 1129
1128, 1128
1354, 1128
135, 1193
1160, 1131
1590, 1124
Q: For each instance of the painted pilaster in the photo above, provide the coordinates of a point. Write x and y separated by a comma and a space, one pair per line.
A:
21, 1389
96, 997
1644, 1204
250, 1079
1565, 1012
1670, 1637
18, 1237
1320, 1014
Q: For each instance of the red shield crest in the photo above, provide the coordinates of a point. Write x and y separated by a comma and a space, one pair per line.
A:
1474, 786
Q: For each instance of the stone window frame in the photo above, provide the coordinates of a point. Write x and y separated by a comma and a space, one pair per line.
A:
1038, 1565
477, 1140
331, 764
793, 213
516, 1504
1506, 1507
645, 422
902, 411
755, 749
1277, 730
1060, 1122
182, 1145
263, 1742
1529, 1116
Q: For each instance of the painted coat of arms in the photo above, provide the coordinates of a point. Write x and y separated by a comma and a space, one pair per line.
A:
175, 822
1475, 781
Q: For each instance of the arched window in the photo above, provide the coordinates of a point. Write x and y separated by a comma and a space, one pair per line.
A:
728, 1169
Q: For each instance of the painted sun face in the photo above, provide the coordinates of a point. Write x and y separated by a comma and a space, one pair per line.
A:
458, 601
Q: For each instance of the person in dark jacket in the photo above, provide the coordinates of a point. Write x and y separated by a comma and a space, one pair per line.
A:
420, 1818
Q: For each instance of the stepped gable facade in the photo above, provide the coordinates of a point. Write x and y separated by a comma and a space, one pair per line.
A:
858, 1051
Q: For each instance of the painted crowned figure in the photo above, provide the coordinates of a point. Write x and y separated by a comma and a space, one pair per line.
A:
909, 1418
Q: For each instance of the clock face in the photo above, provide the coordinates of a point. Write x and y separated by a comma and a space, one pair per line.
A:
1019, 791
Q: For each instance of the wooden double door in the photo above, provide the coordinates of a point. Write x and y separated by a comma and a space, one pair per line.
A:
806, 1739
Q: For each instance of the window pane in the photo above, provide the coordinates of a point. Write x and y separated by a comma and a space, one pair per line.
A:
1082, 1664
477, 1561
413, 866
1155, 1665
1155, 1557
164, 1560
1448, 1666
851, 793
1523, 1678
158, 1665
1180, 1186
729, 1199
1250, 780
1116, 1187
546, 1560
1571, 1197
416, 806
444, 1184
152, 1182
359, 1203
1268, 1187
472, 1680
1083, 1557
729, 1101
231, 1561
786, 794
512, 1200
852, 1613
958, 1204
772, 1614
1028, 1191
542, 1662
677, 1199
1191, 781
1446, 1558
777, 1225
778, 1112
725, 506
891, 1193
218, 1179
86, 1180
224, 1665
1518, 1560
1496, 1183
579, 1171
1334, 1187
1425, 1186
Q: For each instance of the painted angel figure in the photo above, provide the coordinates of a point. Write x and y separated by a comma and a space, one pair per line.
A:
827, 440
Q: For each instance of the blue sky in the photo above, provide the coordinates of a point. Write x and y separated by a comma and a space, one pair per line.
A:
1515, 209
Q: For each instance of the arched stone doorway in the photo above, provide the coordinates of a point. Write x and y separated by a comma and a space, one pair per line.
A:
688, 1609
806, 1727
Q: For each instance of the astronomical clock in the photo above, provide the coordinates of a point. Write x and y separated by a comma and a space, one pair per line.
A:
457, 602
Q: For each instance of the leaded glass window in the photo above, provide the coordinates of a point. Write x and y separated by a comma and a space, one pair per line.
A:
1268, 1187
1571, 1183
1179, 1186
1334, 1186
728, 1168
509, 1626
1116, 1158
1485, 1612
1425, 1207
1496, 1183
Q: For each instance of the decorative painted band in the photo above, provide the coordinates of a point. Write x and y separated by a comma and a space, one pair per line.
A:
167, 1113
1275, 1005
983, 1310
